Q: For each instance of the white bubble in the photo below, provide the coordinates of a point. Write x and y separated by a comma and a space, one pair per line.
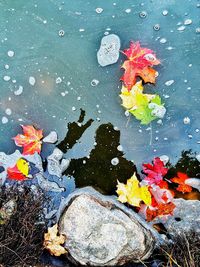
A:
8, 111
4, 120
7, 66
32, 80
181, 28
188, 22
19, 91
6, 78
94, 82
165, 12
115, 161
120, 148
73, 108
168, 83
58, 80
11, 53
128, 10
99, 10
163, 40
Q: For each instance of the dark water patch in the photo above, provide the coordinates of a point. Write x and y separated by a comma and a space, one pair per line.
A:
98, 169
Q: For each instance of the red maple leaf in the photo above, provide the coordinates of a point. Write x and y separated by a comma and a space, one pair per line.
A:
155, 173
139, 63
180, 179
30, 140
15, 174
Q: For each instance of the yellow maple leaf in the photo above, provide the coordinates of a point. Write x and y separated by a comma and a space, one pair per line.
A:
53, 241
133, 193
129, 99
23, 166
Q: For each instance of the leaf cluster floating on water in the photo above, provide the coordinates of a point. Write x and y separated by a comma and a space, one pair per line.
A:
152, 195
139, 63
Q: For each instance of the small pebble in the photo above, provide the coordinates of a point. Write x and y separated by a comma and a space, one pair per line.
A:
11, 53
32, 80
186, 120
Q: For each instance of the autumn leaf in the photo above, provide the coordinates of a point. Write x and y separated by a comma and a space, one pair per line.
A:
143, 110
160, 211
20, 171
129, 98
30, 140
139, 63
155, 172
133, 193
53, 241
180, 179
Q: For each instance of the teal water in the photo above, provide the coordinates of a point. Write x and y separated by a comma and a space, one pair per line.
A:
31, 30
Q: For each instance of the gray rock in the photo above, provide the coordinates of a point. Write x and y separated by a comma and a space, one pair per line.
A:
100, 231
51, 138
109, 50
186, 216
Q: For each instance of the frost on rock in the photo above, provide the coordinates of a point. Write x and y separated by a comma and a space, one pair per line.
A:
109, 50
57, 165
47, 185
51, 138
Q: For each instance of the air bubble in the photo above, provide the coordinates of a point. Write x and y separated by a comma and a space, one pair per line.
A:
115, 161
94, 82
143, 14
186, 120
61, 33
163, 40
120, 148
168, 83
128, 10
188, 22
156, 27
99, 10
181, 28
165, 12
198, 30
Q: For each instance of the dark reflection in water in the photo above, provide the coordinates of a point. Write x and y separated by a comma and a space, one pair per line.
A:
98, 169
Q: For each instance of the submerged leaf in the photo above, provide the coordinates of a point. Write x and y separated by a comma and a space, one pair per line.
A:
53, 241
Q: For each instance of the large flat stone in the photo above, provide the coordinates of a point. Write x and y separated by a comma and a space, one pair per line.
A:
102, 232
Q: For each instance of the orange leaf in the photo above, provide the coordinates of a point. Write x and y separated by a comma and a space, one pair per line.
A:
148, 75
30, 140
180, 179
